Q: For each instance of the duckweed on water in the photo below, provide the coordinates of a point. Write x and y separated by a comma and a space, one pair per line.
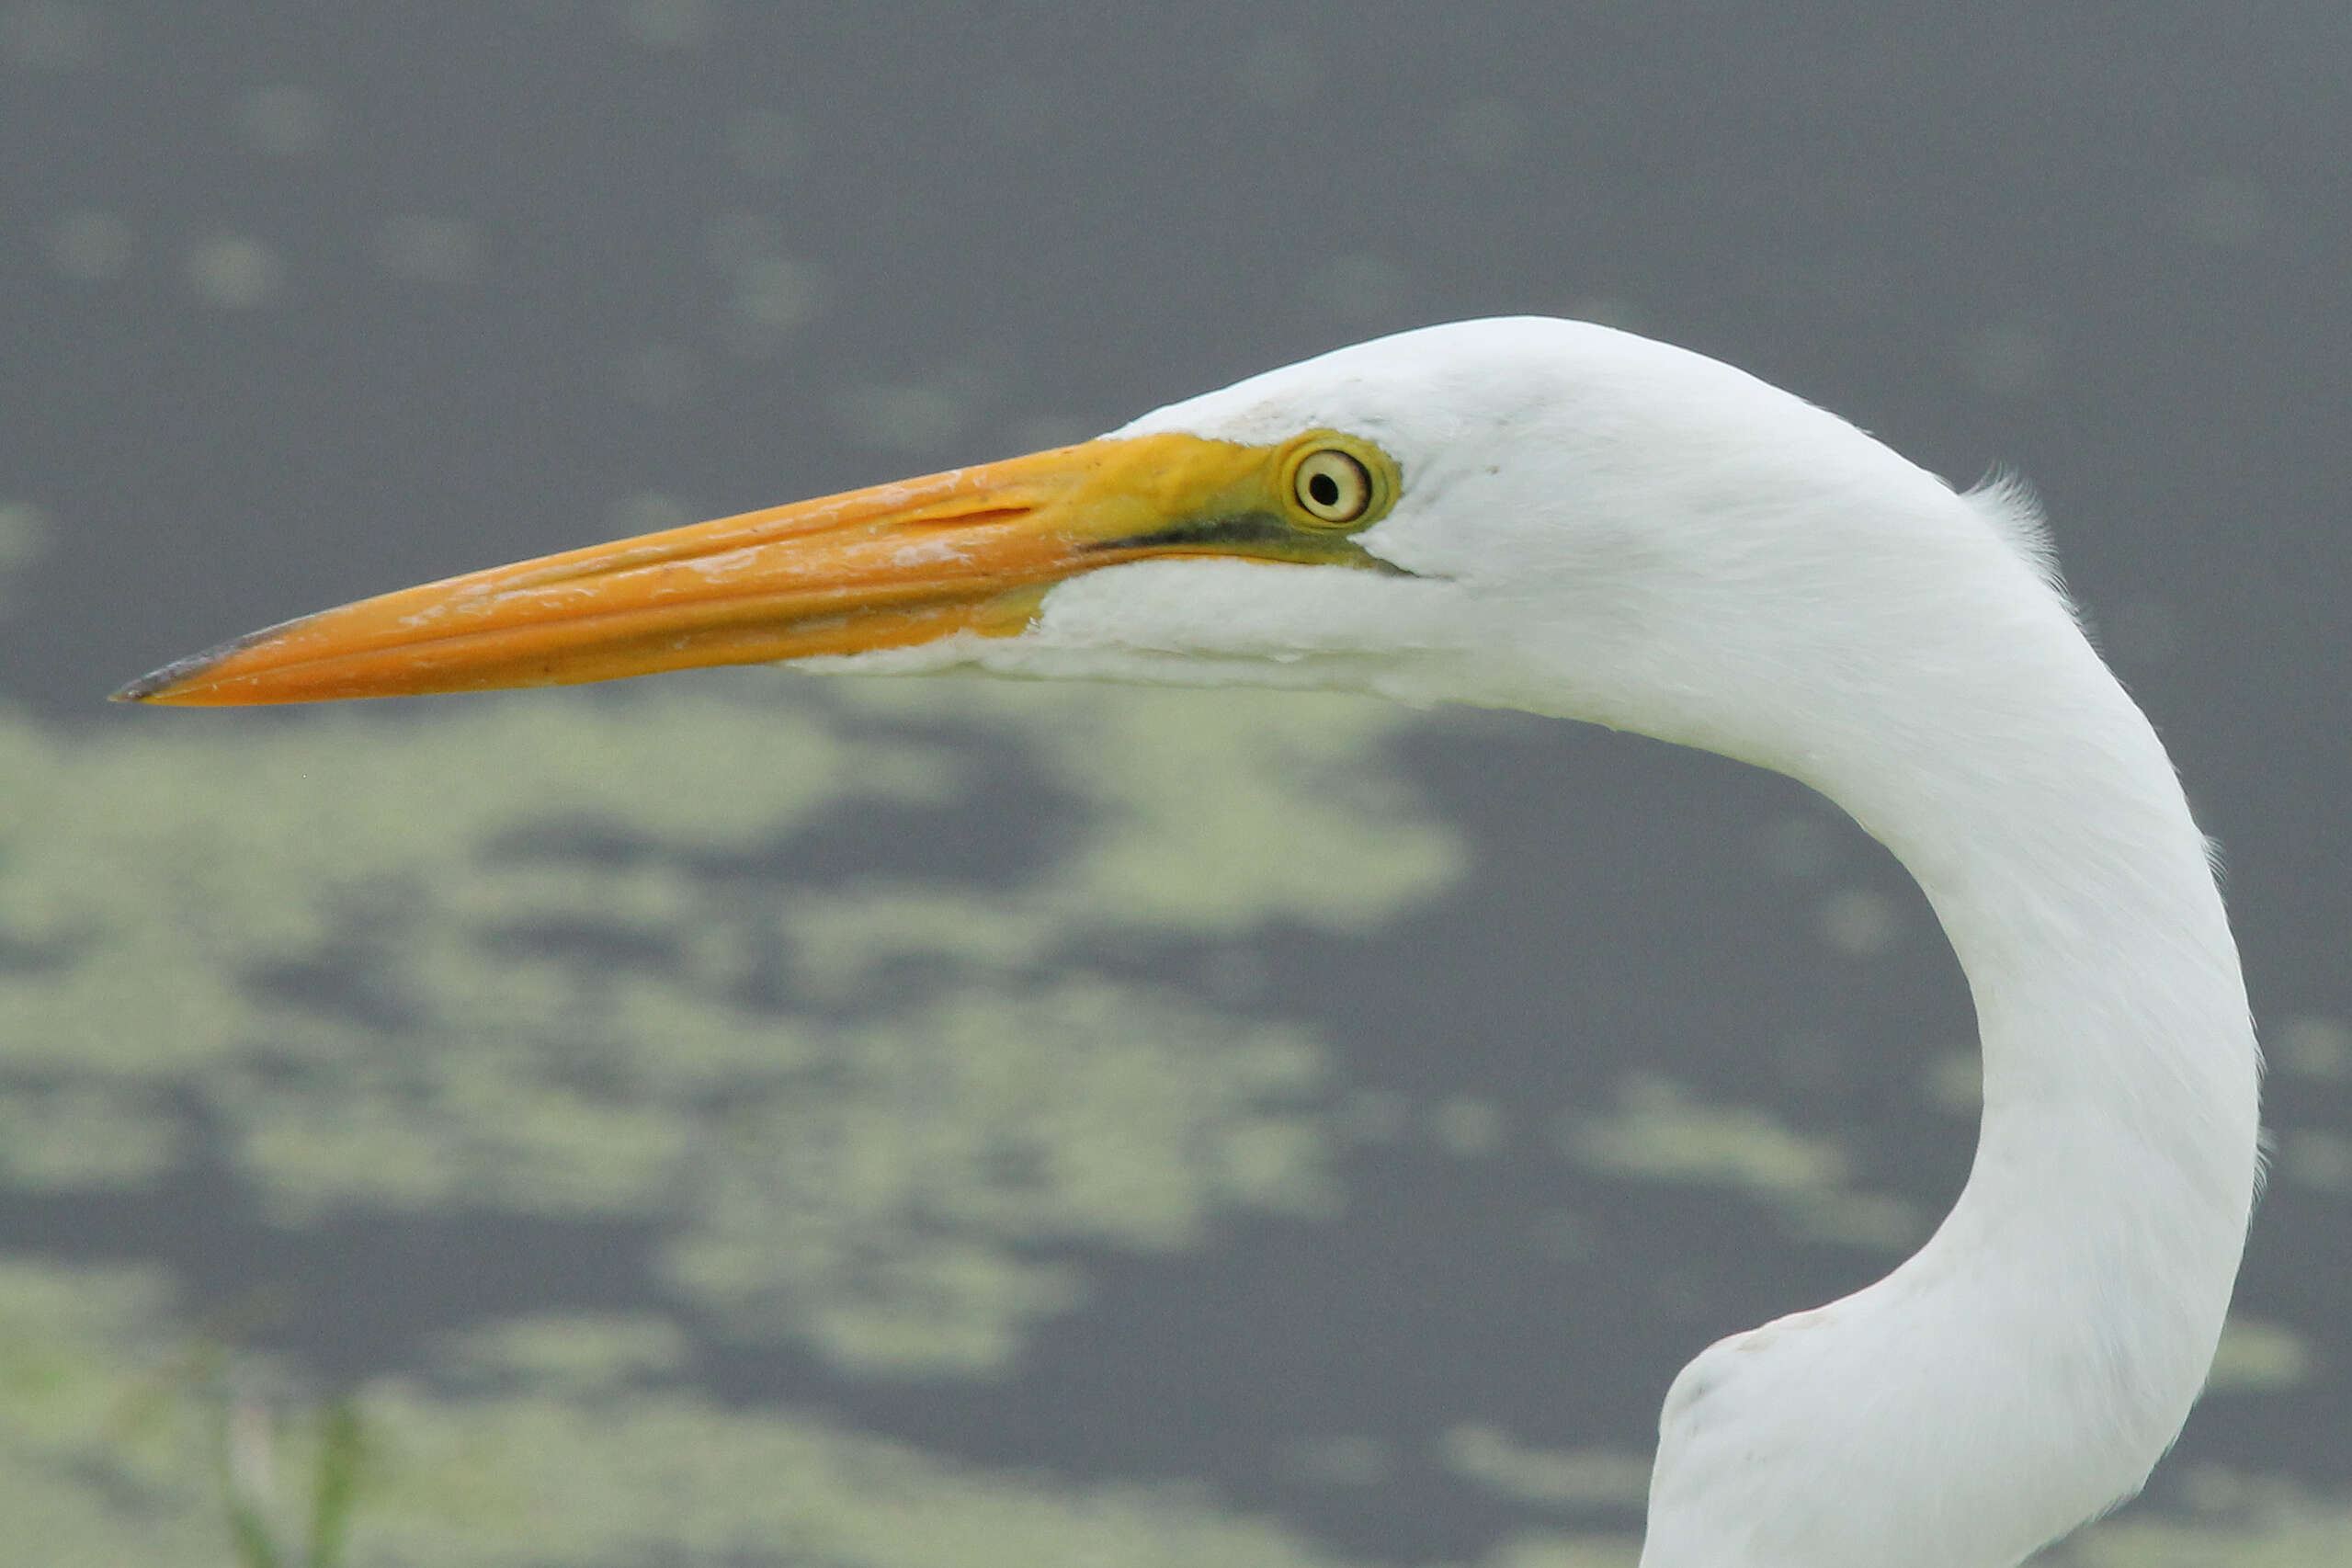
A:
550, 956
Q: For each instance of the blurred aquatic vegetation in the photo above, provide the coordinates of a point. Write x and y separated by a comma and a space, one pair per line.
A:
549, 1440
553, 957
1489, 1459
88, 1472
1658, 1131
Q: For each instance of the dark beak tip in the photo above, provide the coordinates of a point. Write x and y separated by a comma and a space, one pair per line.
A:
156, 683
146, 686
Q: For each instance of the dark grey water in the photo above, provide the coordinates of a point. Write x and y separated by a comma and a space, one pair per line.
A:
1179, 1129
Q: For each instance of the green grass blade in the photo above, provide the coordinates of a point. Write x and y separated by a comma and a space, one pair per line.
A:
342, 1451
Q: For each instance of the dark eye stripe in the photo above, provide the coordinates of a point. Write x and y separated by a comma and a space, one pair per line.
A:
1265, 536
1238, 527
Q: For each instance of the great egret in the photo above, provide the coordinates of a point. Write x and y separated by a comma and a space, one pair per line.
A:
1559, 517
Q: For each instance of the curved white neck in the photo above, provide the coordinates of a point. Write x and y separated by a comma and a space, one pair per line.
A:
2030, 1365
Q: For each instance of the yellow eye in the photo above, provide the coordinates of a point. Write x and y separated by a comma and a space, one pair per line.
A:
1332, 486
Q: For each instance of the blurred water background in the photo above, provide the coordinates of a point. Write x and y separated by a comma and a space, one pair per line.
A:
748, 1119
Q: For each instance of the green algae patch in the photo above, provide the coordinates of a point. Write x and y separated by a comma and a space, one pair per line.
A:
553, 955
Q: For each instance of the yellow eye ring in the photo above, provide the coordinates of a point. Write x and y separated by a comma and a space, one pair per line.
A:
1336, 482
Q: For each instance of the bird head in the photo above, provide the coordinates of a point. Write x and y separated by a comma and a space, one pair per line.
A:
1527, 512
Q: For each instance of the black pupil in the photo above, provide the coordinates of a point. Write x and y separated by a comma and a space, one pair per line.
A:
1322, 490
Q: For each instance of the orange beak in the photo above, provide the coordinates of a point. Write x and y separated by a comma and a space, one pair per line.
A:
972, 550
